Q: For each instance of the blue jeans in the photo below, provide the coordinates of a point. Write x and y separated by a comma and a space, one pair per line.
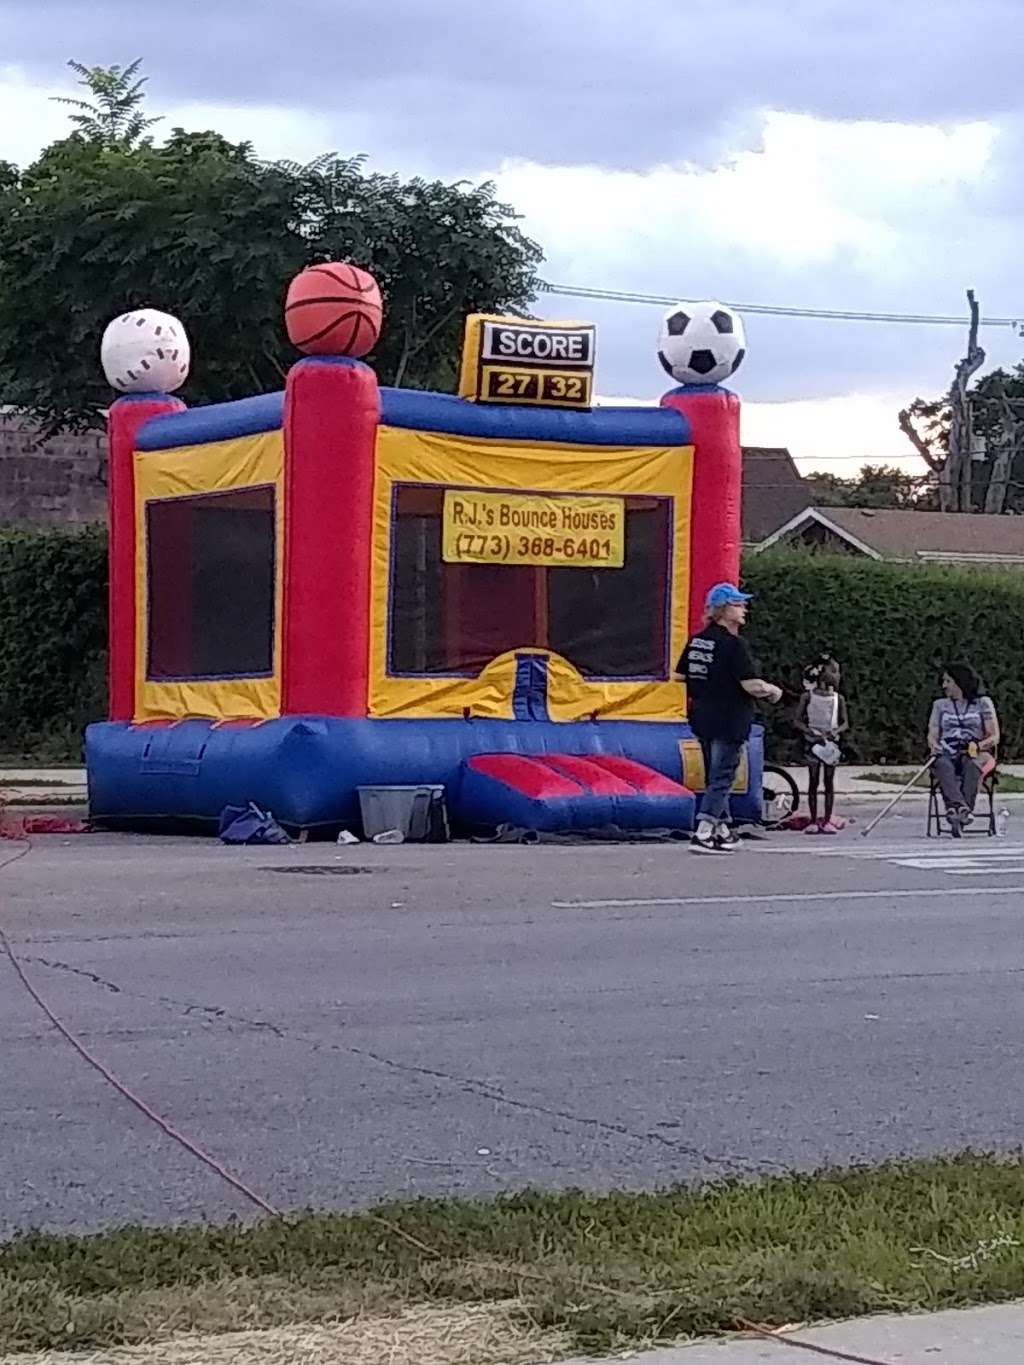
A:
721, 764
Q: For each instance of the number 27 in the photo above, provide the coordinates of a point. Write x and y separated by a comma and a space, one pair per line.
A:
518, 384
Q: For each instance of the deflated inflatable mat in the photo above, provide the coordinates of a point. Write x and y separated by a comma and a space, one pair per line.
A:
560, 792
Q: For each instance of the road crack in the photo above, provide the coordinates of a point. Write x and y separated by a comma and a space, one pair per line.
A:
729, 1163
736, 1164
186, 1007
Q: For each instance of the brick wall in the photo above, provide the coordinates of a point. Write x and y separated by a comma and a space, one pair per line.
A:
60, 482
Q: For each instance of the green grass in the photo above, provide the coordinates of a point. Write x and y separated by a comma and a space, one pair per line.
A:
1008, 783
610, 1271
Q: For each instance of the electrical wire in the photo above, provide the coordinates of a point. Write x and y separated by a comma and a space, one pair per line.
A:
773, 310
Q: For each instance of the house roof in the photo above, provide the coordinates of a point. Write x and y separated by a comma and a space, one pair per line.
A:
890, 533
773, 491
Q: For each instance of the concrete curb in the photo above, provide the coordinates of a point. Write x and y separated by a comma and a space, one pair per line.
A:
961, 1336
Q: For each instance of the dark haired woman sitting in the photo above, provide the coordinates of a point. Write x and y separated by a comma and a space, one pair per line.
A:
963, 735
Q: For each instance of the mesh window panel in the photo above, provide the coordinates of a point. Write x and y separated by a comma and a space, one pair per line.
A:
211, 567
612, 623
417, 574
455, 618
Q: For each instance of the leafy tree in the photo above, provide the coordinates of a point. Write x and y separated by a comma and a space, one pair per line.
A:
438, 252
997, 416
877, 485
115, 116
105, 221
196, 226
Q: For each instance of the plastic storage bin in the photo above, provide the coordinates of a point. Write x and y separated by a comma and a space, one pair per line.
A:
418, 812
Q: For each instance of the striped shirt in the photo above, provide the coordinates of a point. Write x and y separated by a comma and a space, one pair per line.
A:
960, 723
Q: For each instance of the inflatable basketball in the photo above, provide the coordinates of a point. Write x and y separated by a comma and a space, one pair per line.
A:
333, 309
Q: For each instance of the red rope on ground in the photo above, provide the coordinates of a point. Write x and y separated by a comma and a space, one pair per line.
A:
192, 1148
774, 1334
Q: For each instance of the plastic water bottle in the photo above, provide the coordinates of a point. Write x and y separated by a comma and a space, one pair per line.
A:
1002, 823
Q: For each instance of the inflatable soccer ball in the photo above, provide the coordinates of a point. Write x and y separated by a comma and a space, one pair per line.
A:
701, 343
145, 352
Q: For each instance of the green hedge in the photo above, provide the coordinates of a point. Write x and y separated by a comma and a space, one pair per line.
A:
53, 638
892, 626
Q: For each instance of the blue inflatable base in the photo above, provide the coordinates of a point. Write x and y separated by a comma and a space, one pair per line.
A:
307, 769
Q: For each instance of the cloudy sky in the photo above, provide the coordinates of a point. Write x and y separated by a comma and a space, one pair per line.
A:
804, 153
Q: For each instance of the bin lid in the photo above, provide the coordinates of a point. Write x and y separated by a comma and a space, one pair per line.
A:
405, 787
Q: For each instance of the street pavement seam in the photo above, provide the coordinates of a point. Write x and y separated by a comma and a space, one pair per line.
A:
730, 1163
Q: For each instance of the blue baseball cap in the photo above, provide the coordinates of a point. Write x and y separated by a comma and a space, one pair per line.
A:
725, 595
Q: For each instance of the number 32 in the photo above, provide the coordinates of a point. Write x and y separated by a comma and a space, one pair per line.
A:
566, 387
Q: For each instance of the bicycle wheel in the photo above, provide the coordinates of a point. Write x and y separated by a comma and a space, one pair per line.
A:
780, 796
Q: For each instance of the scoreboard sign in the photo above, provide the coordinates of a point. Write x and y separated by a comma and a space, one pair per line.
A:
507, 360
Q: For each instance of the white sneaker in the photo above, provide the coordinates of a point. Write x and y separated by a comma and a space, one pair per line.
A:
704, 841
726, 840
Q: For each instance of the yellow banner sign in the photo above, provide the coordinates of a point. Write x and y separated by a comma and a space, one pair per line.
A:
568, 530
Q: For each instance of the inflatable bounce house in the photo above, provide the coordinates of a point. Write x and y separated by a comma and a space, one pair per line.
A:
345, 586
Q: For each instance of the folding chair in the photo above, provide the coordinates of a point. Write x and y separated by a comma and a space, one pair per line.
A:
937, 825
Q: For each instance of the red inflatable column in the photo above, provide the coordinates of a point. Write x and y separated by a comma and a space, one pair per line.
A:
331, 414
714, 417
124, 419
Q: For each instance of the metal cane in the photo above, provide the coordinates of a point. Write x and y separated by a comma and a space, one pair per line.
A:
898, 797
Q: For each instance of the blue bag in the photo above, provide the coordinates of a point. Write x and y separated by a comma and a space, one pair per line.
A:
250, 825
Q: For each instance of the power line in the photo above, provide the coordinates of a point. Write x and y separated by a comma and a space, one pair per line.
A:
874, 460
824, 314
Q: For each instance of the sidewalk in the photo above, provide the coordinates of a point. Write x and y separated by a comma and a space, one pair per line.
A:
38, 787
968, 1336
851, 786
66, 786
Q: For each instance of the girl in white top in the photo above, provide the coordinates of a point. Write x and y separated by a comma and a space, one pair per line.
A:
821, 718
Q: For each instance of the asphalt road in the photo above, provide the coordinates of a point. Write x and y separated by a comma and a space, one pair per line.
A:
469, 1019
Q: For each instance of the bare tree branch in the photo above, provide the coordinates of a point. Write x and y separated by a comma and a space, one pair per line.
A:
276, 363
955, 478
933, 461
403, 360
431, 332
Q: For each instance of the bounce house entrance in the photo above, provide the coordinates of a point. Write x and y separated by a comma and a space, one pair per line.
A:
530, 698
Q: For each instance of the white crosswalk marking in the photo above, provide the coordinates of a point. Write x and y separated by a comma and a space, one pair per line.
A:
875, 850
966, 866
967, 858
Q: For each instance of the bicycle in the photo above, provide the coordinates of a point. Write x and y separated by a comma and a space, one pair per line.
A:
780, 797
